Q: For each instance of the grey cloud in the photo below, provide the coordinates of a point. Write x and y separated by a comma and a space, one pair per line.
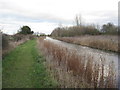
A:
7, 7
102, 17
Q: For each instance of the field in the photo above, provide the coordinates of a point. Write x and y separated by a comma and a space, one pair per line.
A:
103, 42
24, 67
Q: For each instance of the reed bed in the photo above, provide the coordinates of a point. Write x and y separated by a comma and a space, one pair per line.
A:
77, 71
103, 42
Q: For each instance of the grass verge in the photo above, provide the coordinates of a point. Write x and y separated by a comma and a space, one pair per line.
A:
24, 68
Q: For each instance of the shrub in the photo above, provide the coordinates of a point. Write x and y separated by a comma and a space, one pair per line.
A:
5, 41
109, 28
75, 31
25, 30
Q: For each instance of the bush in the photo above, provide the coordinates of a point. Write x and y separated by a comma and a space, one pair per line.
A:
31, 37
75, 31
109, 28
26, 30
5, 41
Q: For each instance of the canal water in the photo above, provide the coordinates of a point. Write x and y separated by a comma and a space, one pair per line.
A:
96, 53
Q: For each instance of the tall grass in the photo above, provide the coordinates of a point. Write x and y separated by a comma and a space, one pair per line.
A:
83, 67
103, 42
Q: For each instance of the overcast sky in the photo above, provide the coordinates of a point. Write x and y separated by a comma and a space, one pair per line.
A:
45, 15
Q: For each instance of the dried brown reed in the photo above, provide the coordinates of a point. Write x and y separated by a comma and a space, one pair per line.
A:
102, 77
87, 72
100, 42
111, 77
96, 75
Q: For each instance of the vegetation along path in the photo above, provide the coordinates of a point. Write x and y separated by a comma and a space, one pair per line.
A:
24, 68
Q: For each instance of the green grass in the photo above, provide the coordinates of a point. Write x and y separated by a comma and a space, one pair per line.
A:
24, 68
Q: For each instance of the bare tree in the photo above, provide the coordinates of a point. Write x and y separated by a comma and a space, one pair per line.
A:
78, 20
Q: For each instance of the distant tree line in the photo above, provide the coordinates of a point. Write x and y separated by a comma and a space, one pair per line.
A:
79, 29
